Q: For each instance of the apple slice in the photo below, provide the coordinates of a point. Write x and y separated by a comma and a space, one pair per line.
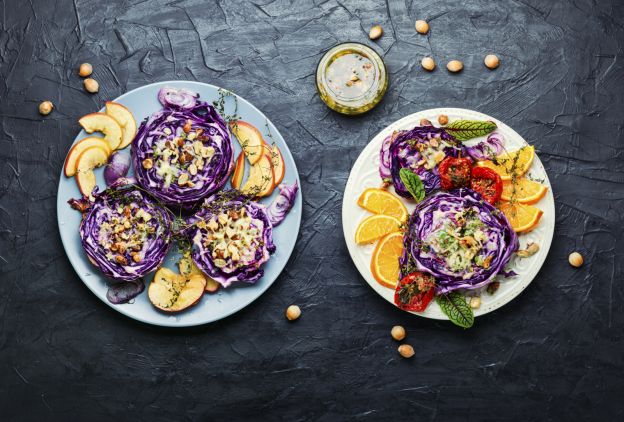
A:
171, 292
86, 181
279, 167
188, 268
126, 120
260, 180
75, 151
100, 122
249, 138
239, 171
89, 159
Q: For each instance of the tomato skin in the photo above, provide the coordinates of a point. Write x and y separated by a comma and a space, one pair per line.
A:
408, 287
454, 172
487, 182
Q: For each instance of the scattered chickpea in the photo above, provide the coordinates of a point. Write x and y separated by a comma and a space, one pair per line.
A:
491, 61
575, 259
443, 119
91, 85
425, 122
422, 27
46, 107
475, 302
293, 312
428, 63
406, 351
454, 66
85, 70
147, 163
398, 332
375, 32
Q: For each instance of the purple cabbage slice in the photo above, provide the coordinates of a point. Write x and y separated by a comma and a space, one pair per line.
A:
421, 150
278, 209
119, 293
177, 98
231, 237
488, 149
125, 233
460, 239
182, 154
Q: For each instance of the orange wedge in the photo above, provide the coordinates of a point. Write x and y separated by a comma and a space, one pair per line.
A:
522, 217
380, 201
514, 163
523, 190
385, 260
375, 227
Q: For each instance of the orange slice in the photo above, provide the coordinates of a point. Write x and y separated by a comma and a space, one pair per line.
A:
523, 190
514, 163
375, 227
385, 260
380, 201
522, 217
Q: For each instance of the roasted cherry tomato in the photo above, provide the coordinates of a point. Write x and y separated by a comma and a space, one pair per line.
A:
455, 172
414, 291
487, 182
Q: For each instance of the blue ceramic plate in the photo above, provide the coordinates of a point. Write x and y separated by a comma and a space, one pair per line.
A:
142, 102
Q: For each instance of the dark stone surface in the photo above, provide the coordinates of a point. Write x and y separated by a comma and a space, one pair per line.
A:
554, 353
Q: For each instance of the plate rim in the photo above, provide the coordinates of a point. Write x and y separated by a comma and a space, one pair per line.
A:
378, 137
176, 323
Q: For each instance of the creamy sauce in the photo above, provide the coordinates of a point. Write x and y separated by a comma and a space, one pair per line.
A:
350, 75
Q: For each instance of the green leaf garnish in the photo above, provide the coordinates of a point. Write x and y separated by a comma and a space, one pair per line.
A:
462, 130
412, 183
456, 309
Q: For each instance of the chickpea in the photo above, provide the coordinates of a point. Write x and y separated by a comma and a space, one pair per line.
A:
375, 32
491, 61
428, 63
46, 107
475, 302
91, 85
575, 259
443, 119
293, 312
454, 66
422, 27
406, 351
85, 70
398, 333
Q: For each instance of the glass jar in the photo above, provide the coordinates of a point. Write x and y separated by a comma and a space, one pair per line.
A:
351, 78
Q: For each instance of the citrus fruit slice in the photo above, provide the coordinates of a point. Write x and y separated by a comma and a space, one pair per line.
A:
380, 201
375, 227
513, 163
523, 190
522, 217
385, 260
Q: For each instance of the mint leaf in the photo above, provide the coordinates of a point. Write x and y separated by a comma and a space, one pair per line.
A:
462, 130
412, 183
456, 309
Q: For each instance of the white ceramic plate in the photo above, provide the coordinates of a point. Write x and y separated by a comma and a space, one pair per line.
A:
142, 102
365, 174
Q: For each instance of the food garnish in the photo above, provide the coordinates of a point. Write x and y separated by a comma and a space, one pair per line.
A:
280, 206
414, 291
85, 70
491, 61
118, 166
385, 259
422, 27
486, 182
293, 312
375, 227
443, 119
463, 130
513, 164
454, 306
239, 171
119, 293
45, 108
249, 138
523, 190
172, 292
380, 201
91, 85
475, 302
530, 250
454, 66
488, 149
413, 184
575, 259
455, 172
398, 333
522, 217
375, 32
406, 351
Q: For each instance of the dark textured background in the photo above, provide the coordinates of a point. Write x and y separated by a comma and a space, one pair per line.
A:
554, 353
